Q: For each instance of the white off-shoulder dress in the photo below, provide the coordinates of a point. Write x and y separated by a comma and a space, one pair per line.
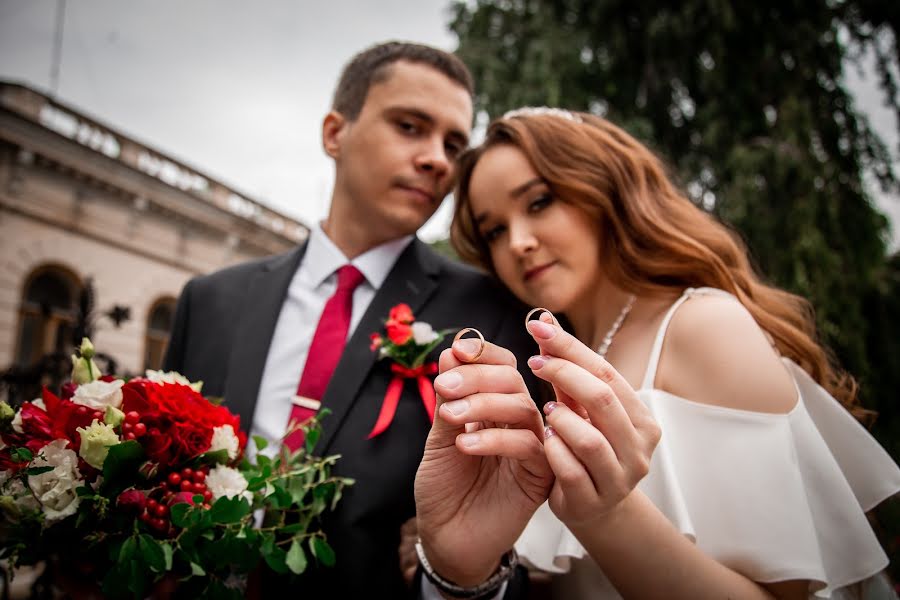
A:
772, 496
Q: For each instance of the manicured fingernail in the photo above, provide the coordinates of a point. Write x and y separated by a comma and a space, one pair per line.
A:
549, 407
536, 362
469, 440
541, 330
549, 432
467, 345
457, 407
449, 380
546, 317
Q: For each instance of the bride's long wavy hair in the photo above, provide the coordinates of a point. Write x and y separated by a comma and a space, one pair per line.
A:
654, 238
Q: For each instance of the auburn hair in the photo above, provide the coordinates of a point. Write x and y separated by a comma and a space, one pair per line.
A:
654, 238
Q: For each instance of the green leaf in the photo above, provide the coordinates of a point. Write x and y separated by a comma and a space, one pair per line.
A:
215, 457
197, 570
296, 558
178, 513
21, 455
167, 554
322, 551
273, 555
261, 443
152, 553
37, 470
229, 510
312, 436
120, 465
129, 549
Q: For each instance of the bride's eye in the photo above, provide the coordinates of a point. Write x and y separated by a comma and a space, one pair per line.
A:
491, 235
540, 203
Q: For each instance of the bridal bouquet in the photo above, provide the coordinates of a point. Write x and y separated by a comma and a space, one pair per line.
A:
143, 482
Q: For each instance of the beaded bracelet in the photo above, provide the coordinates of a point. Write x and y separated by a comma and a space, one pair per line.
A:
483, 590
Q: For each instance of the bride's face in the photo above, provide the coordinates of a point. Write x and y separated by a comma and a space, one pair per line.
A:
544, 249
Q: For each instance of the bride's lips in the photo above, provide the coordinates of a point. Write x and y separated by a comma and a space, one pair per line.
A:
536, 271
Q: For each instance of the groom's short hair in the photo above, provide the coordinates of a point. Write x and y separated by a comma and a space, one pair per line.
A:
373, 65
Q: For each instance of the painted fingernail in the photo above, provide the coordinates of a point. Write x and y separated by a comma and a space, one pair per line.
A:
467, 345
549, 407
457, 407
536, 362
469, 440
549, 432
449, 380
541, 330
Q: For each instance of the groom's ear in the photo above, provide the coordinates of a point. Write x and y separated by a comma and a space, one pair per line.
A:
334, 125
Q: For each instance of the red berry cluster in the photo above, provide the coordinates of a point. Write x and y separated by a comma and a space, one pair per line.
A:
173, 489
132, 428
83, 410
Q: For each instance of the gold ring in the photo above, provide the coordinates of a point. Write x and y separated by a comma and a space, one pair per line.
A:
534, 310
462, 332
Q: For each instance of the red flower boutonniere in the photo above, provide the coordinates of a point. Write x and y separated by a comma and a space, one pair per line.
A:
407, 343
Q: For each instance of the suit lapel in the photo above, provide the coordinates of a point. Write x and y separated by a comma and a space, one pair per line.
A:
266, 291
412, 280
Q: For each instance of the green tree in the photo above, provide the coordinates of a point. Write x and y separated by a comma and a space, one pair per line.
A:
748, 105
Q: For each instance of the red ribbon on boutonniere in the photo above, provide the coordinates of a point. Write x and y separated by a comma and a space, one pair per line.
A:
407, 343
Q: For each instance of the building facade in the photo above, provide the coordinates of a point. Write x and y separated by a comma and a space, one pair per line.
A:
92, 219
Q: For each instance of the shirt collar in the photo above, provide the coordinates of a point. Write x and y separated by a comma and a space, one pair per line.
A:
323, 258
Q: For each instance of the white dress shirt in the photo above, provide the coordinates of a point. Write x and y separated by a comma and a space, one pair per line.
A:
312, 285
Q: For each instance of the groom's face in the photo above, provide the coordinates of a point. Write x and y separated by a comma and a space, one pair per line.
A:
397, 161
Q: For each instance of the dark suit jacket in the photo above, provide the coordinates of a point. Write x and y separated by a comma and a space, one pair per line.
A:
223, 327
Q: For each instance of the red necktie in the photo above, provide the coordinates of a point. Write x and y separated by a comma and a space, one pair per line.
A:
324, 351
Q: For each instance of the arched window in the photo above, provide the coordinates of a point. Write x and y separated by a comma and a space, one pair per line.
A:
47, 314
159, 324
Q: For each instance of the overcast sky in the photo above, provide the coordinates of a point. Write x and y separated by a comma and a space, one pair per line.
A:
235, 89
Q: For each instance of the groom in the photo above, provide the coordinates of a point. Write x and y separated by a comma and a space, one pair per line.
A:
400, 118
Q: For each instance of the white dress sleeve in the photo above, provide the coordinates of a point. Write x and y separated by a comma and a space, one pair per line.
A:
772, 496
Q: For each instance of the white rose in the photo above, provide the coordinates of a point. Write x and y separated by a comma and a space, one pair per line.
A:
55, 489
99, 394
96, 439
423, 333
18, 498
228, 482
172, 377
223, 438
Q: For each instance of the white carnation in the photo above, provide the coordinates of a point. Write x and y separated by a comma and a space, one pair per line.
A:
223, 438
228, 482
423, 333
172, 377
99, 394
55, 489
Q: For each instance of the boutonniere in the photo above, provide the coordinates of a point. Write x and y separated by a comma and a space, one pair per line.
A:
407, 343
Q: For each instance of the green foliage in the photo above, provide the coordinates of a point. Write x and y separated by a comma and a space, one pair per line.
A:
747, 104
209, 549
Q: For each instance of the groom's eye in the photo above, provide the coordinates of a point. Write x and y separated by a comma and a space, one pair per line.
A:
408, 127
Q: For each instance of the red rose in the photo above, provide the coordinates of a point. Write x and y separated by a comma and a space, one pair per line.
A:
179, 420
401, 313
132, 501
399, 333
376, 342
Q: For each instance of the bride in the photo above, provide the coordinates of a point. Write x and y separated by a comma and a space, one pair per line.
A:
700, 442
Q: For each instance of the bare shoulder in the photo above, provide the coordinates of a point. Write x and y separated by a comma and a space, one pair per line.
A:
716, 353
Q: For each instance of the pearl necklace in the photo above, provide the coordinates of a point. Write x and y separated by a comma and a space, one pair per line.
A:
608, 338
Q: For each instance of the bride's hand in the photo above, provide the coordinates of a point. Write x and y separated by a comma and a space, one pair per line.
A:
483, 473
600, 459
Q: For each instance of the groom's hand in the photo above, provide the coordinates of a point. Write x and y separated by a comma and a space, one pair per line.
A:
483, 473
